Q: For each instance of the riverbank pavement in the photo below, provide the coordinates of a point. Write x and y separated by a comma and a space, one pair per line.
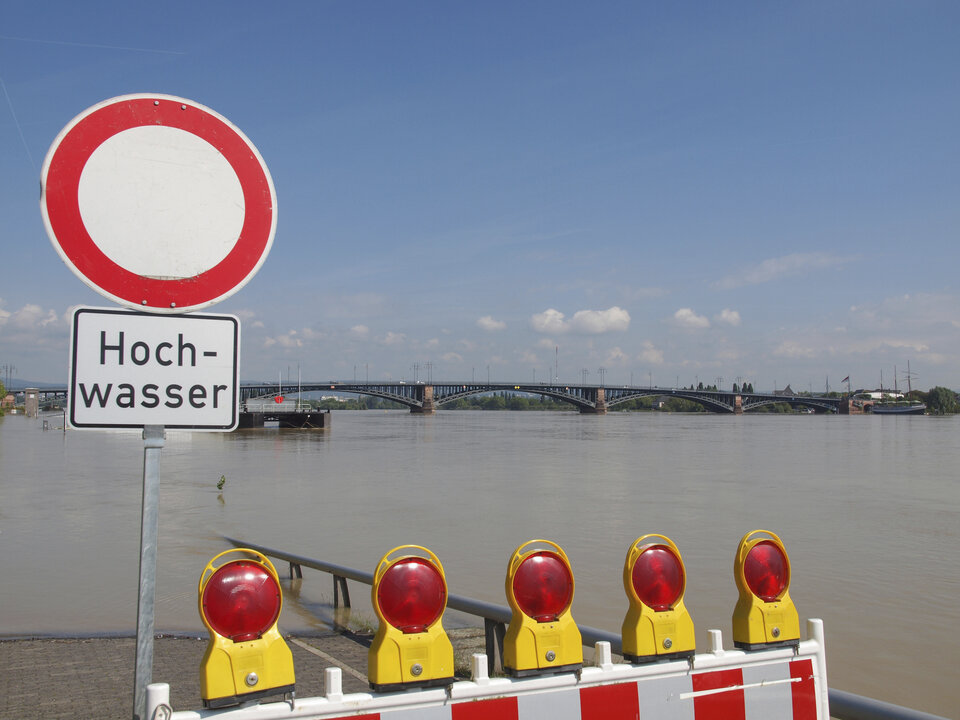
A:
50, 678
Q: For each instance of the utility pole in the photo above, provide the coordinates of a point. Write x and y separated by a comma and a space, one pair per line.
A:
9, 371
602, 371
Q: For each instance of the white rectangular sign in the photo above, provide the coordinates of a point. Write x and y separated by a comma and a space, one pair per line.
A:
130, 369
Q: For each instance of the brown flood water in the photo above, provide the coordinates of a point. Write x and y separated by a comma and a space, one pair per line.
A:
868, 507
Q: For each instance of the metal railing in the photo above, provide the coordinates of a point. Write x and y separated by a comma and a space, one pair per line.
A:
843, 705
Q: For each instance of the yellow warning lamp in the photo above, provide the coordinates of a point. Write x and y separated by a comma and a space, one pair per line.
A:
765, 615
657, 625
542, 636
240, 601
410, 648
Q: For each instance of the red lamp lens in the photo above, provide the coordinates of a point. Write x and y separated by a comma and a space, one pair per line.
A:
765, 570
241, 600
543, 586
412, 595
658, 577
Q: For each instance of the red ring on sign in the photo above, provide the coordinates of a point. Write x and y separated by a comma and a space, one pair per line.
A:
61, 195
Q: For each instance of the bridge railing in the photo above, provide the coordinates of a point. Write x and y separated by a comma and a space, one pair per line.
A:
843, 705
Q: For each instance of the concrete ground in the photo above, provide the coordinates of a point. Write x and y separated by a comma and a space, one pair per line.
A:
93, 677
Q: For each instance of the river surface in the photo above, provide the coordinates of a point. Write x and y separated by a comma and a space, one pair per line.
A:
868, 508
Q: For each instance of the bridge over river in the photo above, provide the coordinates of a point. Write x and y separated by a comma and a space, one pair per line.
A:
427, 397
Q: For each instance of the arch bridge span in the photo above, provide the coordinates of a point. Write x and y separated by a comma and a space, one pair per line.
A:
427, 397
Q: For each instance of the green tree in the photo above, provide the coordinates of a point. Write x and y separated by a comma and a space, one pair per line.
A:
942, 400
774, 408
675, 404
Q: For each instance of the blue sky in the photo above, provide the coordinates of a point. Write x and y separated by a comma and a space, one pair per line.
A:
668, 191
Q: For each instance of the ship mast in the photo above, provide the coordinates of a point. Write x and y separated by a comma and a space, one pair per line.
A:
909, 376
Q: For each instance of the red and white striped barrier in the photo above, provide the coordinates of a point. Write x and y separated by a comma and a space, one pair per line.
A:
779, 684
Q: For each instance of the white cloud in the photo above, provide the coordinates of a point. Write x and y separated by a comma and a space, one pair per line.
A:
23, 325
594, 322
728, 317
392, 338
549, 321
688, 319
452, 357
27, 317
587, 322
290, 340
772, 269
488, 323
616, 356
791, 349
650, 354
359, 331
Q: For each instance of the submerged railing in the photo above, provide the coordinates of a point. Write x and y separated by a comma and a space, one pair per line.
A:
843, 705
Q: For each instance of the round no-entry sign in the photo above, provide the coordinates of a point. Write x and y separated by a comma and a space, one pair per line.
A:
158, 203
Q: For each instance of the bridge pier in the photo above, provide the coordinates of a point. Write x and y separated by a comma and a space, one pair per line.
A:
737, 405
847, 407
31, 403
424, 394
600, 403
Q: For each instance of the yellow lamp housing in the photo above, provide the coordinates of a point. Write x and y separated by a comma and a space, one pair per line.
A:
765, 615
409, 596
542, 637
657, 625
246, 659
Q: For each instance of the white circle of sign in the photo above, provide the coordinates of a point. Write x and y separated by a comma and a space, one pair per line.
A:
188, 211
158, 203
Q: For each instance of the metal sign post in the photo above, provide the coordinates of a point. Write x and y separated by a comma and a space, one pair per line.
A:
197, 197
153, 438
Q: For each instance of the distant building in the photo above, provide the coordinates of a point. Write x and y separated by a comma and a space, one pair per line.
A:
882, 395
8, 401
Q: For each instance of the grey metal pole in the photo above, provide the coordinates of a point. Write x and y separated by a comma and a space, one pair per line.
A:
153, 437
